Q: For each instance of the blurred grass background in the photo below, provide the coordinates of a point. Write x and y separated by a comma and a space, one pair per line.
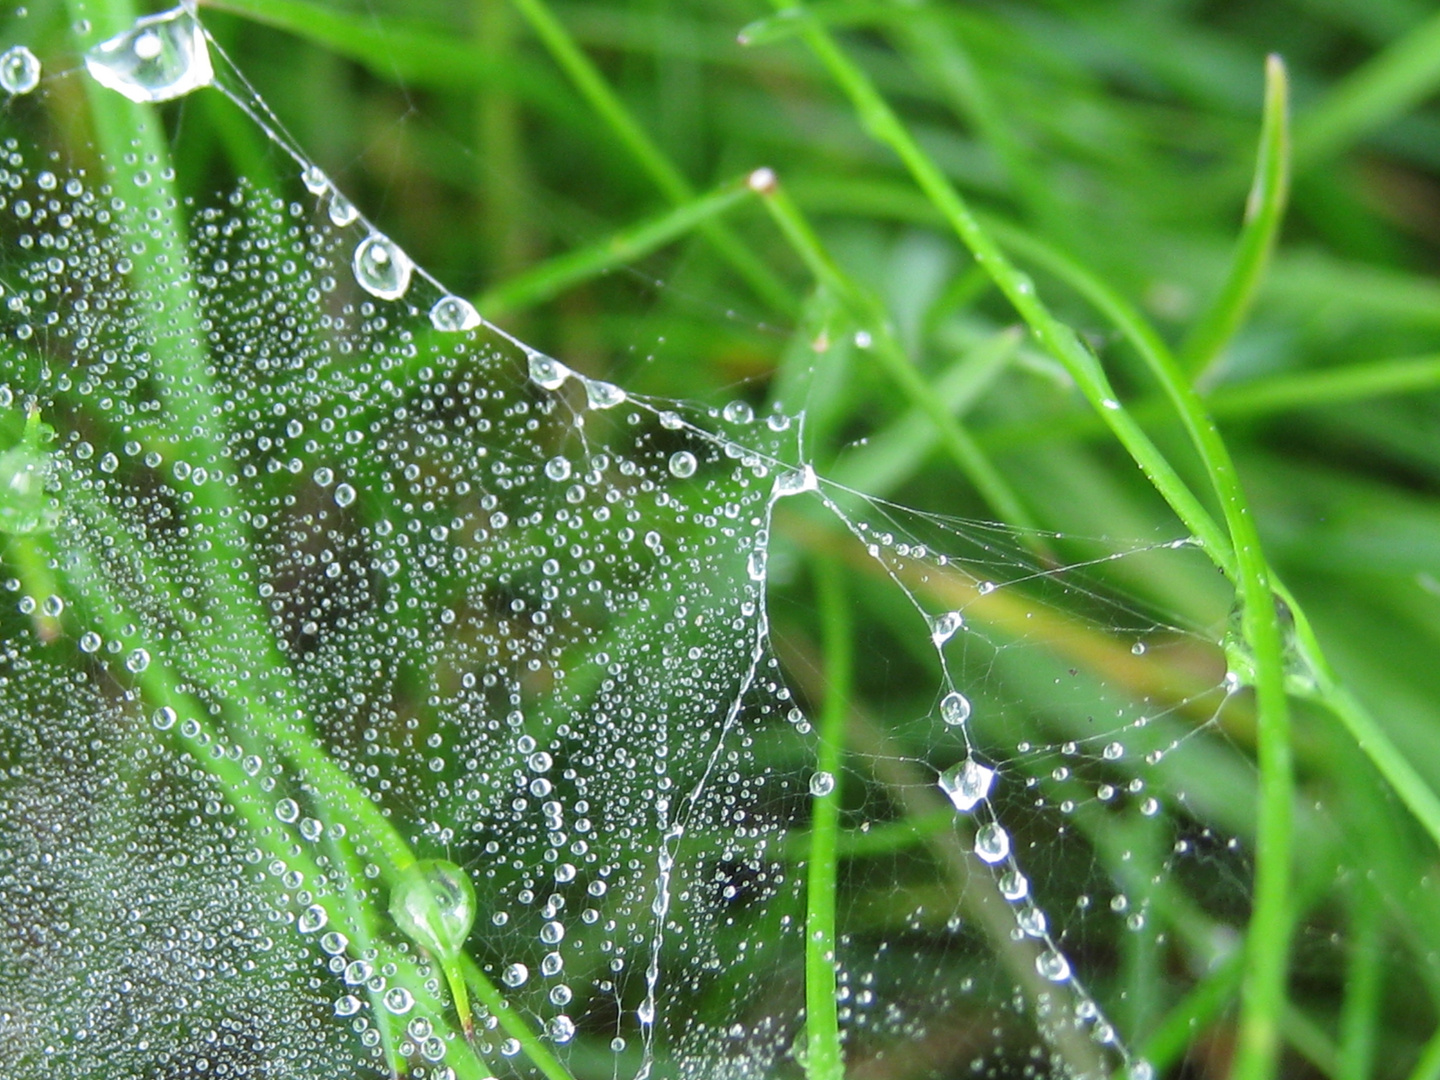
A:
580, 171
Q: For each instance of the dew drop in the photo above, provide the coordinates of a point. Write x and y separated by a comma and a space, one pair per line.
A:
682, 464
19, 70
381, 268
433, 903
796, 482
967, 784
137, 661
399, 1000
341, 210
348, 1005
314, 179
287, 810
992, 843
738, 412
515, 975
603, 395
453, 314
160, 58
546, 373
334, 943
313, 918
558, 468
944, 627
561, 1029
821, 784
164, 718
954, 708
344, 495
1053, 965
90, 642
1014, 886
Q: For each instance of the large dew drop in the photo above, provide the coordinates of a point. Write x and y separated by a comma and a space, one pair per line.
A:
19, 70
160, 58
434, 905
381, 268
453, 314
967, 784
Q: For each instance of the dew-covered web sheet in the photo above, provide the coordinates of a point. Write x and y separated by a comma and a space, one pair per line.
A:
379, 696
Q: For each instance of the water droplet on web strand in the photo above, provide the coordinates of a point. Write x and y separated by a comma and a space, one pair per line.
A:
682, 464
515, 975
160, 58
546, 373
967, 784
19, 70
399, 1000
603, 395
795, 482
992, 843
433, 904
341, 210
381, 268
313, 918
944, 627
821, 784
314, 179
1014, 886
955, 708
1053, 966
453, 314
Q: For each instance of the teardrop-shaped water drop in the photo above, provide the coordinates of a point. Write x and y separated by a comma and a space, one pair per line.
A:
967, 784
382, 268
546, 373
452, 314
944, 627
433, 903
19, 70
160, 58
341, 210
603, 395
992, 843
314, 179
1053, 965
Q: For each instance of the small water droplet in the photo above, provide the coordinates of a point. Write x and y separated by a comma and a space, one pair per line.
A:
738, 412
796, 482
955, 708
344, 495
682, 464
822, 784
314, 179
603, 395
19, 70
399, 1000
433, 903
967, 784
1053, 965
160, 58
992, 843
382, 268
341, 210
546, 373
453, 314
944, 627
313, 918
1014, 886
515, 975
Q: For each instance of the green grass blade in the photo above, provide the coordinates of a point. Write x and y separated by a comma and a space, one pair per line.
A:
1384, 87
1264, 211
824, 1058
547, 279
672, 184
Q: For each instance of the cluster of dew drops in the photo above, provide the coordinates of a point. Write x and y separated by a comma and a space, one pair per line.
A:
166, 56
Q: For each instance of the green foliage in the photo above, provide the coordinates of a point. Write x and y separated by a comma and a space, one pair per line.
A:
937, 175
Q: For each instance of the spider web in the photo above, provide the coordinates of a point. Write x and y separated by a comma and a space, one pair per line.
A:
315, 573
